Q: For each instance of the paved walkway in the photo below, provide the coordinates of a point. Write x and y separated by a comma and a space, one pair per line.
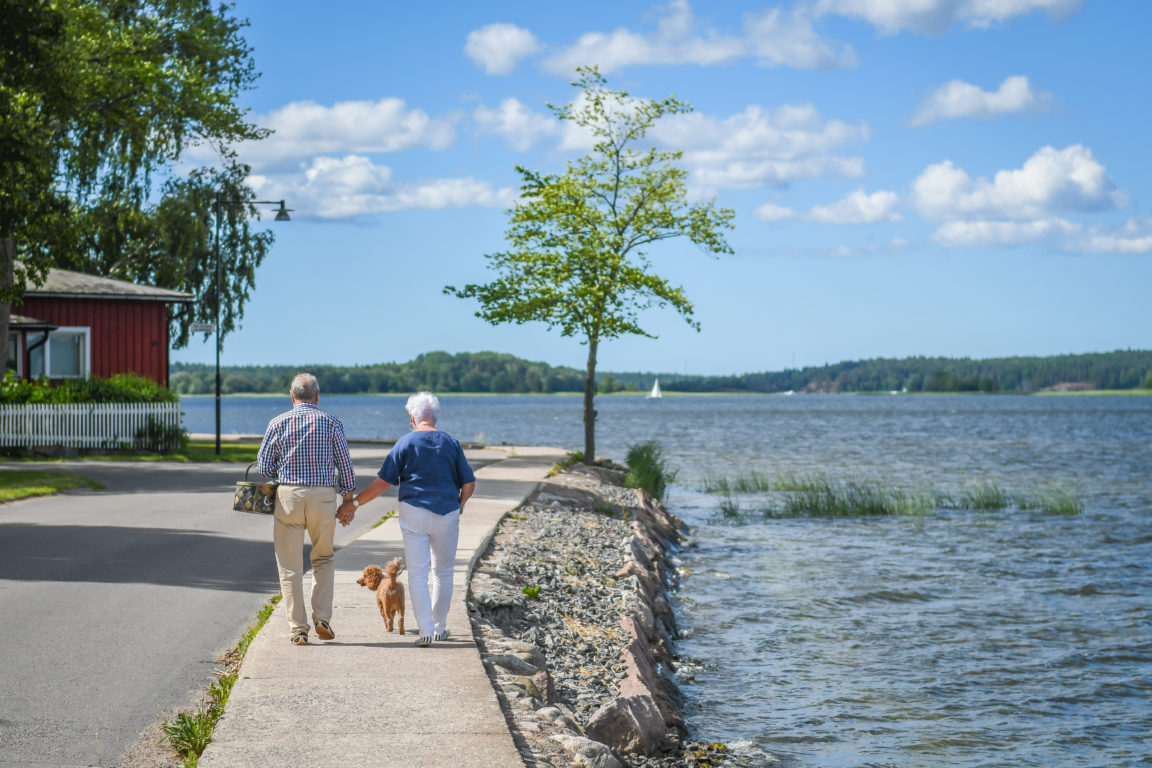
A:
370, 698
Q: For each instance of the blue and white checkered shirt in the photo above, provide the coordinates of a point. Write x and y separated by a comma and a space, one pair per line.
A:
306, 446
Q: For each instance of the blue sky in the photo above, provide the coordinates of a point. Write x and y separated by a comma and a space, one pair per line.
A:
910, 177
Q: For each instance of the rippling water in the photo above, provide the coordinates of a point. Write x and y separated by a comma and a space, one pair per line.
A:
1010, 638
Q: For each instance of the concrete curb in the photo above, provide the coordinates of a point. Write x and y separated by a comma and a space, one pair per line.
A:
368, 697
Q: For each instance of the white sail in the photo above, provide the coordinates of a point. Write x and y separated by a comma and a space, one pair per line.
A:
655, 393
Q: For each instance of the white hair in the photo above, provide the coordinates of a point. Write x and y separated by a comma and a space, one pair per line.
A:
424, 406
304, 387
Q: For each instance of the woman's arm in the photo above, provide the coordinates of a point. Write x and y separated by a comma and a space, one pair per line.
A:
347, 510
466, 492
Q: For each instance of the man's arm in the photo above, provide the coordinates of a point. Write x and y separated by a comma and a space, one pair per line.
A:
268, 457
346, 482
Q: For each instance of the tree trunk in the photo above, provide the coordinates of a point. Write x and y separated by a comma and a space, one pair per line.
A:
5, 306
589, 409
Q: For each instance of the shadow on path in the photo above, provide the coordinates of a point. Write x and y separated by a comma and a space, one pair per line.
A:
170, 557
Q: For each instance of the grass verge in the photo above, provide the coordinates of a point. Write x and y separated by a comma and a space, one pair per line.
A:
570, 459
196, 451
22, 484
190, 733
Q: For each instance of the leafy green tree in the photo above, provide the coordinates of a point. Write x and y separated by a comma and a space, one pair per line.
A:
577, 259
97, 99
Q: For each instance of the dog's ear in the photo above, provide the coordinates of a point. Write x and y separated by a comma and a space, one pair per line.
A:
372, 577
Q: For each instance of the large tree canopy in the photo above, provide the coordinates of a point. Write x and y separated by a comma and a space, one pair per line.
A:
99, 99
577, 260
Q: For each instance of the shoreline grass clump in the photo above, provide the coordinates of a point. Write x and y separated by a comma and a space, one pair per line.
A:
984, 495
647, 469
190, 733
1054, 500
824, 497
818, 495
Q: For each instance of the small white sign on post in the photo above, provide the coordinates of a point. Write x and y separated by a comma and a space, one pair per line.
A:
203, 327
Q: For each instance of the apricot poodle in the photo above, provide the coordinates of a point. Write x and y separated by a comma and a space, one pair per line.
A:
389, 592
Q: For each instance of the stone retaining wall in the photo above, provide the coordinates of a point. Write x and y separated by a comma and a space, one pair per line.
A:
570, 605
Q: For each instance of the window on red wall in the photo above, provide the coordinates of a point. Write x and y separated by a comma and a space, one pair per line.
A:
65, 355
14, 353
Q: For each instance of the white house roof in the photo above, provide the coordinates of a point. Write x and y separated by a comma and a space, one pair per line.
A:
61, 283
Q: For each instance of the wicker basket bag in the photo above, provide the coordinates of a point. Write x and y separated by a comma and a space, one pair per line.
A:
252, 496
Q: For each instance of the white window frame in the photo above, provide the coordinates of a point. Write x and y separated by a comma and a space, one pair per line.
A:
70, 330
16, 344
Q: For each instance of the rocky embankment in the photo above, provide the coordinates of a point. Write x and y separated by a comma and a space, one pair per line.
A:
570, 606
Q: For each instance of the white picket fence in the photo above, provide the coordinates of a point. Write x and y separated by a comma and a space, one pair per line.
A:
84, 425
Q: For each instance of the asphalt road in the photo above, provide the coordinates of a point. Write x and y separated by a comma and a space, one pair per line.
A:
117, 604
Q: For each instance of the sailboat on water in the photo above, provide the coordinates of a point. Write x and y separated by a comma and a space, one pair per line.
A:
655, 393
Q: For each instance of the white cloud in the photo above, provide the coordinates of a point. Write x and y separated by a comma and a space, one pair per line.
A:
774, 37
934, 16
773, 212
755, 147
957, 99
677, 39
498, 48
521, 126
1004, 233
354, 187
760, 146
858, 207
1134, 237
1051, 181
305, 129
787, 38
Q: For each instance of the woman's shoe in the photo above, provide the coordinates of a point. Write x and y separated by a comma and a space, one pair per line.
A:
423, 642
442, 636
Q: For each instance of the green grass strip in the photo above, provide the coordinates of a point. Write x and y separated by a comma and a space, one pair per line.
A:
22, 484
197, 451
190, 733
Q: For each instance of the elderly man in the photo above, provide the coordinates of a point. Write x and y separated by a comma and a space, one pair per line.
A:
306, 451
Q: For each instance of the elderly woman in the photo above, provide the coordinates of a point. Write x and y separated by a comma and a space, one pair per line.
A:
435, 482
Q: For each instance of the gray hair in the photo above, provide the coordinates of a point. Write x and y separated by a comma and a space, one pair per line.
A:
424, 406
304, 387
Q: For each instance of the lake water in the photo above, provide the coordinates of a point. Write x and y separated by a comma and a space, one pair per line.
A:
959, 638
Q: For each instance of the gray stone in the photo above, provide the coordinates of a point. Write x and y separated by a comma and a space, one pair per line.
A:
587, 752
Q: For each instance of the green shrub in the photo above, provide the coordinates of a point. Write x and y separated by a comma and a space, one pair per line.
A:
647, 469
121, 388
156, 436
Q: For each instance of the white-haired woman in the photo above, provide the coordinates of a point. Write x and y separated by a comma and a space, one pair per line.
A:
435, 481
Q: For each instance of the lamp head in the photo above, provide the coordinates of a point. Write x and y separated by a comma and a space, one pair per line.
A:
282, 214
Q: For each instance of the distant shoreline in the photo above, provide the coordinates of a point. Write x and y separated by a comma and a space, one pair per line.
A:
673, 394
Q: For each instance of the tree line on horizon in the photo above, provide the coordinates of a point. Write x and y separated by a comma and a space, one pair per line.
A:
502, 373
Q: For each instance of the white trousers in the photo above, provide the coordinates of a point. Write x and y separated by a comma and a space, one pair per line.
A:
429, 543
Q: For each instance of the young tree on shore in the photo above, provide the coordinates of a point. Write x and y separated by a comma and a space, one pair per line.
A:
99, 98
577, 260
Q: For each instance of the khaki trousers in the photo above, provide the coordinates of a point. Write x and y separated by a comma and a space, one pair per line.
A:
302, 508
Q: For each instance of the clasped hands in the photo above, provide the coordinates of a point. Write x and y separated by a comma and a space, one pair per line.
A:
346, 512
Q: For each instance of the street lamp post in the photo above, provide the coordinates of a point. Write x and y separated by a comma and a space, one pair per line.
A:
281, 215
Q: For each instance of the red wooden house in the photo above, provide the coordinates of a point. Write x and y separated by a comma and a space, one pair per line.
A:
77, 325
